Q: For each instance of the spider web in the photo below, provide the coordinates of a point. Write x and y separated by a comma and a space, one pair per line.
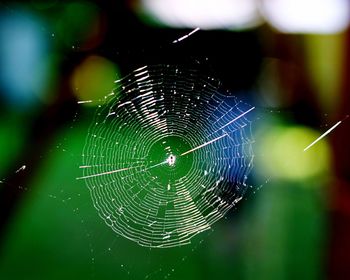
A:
167, 155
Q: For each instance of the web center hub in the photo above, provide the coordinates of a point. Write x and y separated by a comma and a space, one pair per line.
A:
171, 160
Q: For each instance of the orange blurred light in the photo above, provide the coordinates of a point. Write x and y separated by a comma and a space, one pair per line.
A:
93, 79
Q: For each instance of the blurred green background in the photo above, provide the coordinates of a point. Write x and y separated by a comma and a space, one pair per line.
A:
290, 59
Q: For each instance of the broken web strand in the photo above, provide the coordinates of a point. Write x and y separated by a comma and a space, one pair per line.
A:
176, 117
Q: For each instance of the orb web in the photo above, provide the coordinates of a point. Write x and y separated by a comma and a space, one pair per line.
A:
167, 155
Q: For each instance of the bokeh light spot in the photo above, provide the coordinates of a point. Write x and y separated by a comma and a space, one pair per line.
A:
284, 156
23, 55
94, 78
312, 16
208, 14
